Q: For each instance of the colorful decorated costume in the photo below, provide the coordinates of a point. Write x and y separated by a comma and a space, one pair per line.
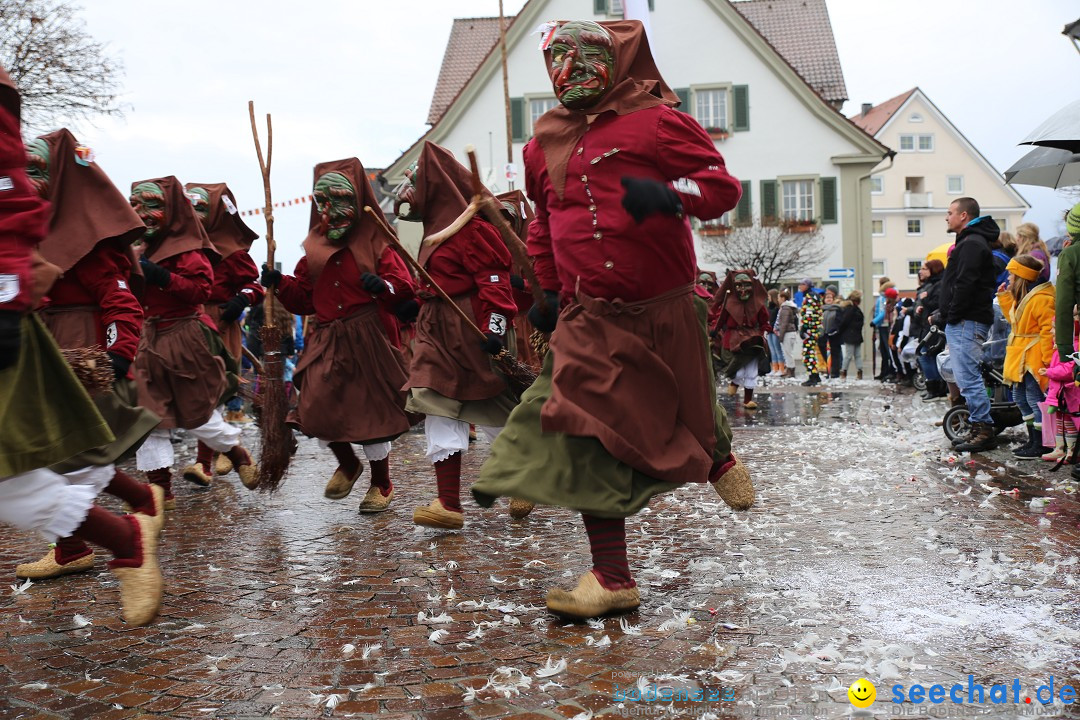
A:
180, 367
740, 328
452, 380
48, 416
352, 370
625, 407
810, 329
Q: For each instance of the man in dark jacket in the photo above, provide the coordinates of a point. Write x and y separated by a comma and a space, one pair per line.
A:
967, 296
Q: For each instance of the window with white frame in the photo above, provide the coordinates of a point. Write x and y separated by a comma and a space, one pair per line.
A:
910, 142
710, 108
798, 200
907, 143
926, 143
914, 226
877, 227
878, 268
1001, 223
877, 184
539, 106
915, 118
955, 184
913, 267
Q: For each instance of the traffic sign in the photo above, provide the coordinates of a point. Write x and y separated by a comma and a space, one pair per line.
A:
841, 273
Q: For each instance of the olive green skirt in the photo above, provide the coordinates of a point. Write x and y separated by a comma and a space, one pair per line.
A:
46, 415
575, 472
130, 424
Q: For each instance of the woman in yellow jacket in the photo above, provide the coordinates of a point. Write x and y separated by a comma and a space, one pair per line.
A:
1029, 306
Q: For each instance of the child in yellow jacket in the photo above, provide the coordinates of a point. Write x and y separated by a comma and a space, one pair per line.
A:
1029, 306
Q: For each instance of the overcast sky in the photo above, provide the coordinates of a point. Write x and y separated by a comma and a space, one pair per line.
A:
354, 78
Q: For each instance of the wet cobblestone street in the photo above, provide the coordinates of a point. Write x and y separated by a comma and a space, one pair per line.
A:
873, 551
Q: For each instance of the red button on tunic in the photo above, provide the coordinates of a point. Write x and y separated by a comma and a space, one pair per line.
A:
339, 293
587, 236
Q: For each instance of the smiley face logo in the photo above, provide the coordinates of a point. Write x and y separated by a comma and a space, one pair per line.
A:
862, 693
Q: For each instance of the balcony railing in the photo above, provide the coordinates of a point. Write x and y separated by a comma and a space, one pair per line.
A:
918, 200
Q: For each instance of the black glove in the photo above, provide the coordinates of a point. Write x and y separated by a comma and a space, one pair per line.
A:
10, 337
154, 273
643, 197
269, 278
407, 311
494, 345
373, 283
232, 310
517, 282
120, 365
544, 316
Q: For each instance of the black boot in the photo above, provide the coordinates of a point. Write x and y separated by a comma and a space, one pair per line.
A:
982, 438
1034, 448
1021, 452
813, 380
935, 389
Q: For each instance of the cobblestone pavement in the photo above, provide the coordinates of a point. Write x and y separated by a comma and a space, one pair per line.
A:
872, 552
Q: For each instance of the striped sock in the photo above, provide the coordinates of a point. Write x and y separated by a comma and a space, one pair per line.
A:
448, 477
607, 539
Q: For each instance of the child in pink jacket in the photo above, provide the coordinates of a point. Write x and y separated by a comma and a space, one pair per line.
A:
1061, 389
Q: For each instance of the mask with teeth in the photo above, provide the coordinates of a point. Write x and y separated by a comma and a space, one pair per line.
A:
148, 201
335, 197
582, 63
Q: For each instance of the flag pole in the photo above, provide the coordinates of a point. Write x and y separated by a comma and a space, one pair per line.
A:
506, 91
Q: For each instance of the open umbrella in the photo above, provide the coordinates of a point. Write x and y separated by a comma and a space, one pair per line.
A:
1046, 166
1061, 130
941, 252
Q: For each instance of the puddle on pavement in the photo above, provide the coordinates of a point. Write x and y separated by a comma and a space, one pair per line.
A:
779, 408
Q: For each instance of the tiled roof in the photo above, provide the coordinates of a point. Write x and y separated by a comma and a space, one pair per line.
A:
471, 39
801, 32
873, 120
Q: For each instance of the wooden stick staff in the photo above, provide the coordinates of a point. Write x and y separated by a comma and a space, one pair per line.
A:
519, 376
274, 461
493, 214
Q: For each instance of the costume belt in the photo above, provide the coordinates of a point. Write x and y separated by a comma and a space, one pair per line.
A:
600, 306
57, 309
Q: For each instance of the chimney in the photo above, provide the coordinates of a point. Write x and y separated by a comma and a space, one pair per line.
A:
866, 108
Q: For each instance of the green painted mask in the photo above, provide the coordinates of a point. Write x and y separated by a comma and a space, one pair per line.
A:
148, 200
37, 165
335, 197
200, 200
582, 63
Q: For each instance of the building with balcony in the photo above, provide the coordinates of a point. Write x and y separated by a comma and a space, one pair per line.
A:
934, 165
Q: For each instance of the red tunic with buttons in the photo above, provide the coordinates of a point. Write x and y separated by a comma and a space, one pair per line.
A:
234, 275
338, 293
587, 239
352, 371
100, 283
473, 268
191, 281
24, 219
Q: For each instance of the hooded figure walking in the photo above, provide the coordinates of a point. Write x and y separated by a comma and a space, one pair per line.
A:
741, 328
625, 406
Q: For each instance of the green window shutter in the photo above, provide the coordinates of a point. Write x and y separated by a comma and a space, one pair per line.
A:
742, 107
652, 5
600, 7
828, 201
684, 99
517, 119
744, 211
768, 202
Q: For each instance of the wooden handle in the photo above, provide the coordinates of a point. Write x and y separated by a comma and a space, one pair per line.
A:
420, 269
493, 214
268, 210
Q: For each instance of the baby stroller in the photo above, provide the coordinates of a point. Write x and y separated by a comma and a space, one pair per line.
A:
1003, 411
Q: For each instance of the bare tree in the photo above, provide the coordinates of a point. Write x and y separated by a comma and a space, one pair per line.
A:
62, 74
775, 252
